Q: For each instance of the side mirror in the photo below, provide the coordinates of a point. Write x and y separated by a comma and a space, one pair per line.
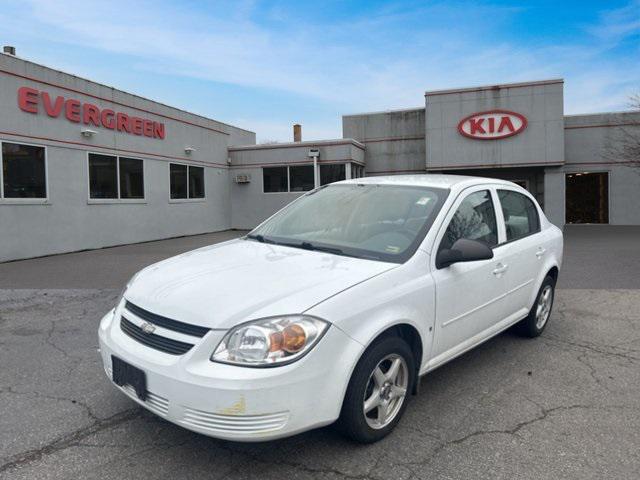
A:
463, 250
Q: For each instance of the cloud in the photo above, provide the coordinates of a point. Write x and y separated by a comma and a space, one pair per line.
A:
375, 59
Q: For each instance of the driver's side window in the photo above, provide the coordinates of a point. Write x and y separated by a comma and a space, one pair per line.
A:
475, 219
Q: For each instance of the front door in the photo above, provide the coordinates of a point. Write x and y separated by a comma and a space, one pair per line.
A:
469, 294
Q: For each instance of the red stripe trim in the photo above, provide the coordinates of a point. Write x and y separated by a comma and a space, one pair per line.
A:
395, 171
111, 149
392, 139
625, 162
493, 165
571, 127
293, 145
305, 162
43, 82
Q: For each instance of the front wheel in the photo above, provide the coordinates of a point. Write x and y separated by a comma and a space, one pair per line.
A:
379, 390
538, 317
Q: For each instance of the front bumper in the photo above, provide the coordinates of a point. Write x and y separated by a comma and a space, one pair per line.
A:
231, 402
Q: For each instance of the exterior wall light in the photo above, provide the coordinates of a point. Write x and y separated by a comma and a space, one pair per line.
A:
189, 150
87, 133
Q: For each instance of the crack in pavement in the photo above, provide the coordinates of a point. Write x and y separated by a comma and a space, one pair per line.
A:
12, 391
71, 439
544, 413
600, 349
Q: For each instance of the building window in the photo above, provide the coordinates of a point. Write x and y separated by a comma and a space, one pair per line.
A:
131, 178
186, 181
357, 171
104, 172
275, 179
332, 173
301, 178
196, 182
23, 171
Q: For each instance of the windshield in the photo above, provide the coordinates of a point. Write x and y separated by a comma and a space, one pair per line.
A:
381, 222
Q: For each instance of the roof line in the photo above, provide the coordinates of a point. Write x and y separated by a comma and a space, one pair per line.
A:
308, 143
116, 89
550, 81
398, 110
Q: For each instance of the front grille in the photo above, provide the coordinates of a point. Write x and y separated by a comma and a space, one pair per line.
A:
167, 323
167, 345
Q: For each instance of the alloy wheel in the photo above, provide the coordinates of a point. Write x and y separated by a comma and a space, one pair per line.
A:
385, 391
543, 309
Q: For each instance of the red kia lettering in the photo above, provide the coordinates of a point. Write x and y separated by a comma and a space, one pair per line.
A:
492, 125
476, 125
505, 122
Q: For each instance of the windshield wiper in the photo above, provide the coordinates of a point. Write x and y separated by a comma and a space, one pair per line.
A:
261, 238
317, 248
304, 245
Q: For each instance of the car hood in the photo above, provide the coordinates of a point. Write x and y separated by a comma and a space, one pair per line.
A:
229, 283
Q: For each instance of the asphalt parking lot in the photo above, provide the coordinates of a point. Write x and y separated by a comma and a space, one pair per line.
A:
566, 405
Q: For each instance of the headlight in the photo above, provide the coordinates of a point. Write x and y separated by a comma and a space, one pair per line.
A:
270, 341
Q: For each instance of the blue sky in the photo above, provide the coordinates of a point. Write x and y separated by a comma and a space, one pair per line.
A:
266, 65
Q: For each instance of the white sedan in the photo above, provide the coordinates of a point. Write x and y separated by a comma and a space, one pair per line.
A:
333, 308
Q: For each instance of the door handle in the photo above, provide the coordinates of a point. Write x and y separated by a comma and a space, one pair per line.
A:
500, 269
540, 252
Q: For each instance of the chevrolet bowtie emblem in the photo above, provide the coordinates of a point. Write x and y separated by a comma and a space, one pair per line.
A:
148, 327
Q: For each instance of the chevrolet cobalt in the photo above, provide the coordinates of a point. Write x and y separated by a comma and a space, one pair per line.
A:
332, 309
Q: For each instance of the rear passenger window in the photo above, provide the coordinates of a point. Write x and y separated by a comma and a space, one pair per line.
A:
520, 214
475, 219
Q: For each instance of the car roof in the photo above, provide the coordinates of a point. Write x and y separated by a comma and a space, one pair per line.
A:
457, 182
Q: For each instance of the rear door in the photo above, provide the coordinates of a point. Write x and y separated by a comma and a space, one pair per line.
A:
469, 295
523, 247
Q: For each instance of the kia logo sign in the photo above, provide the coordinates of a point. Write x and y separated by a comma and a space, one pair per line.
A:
492, 125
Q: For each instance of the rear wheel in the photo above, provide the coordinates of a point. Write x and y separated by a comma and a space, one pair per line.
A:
538, 318
379, 390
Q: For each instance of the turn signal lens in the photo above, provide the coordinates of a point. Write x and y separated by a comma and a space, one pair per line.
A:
276, 341
270, 341
293, 338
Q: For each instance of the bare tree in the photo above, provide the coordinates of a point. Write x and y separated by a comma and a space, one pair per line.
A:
626, 147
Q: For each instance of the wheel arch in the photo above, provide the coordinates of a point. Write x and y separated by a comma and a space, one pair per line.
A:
408, 332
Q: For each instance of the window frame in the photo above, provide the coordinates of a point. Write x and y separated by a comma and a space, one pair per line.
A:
464, 194
288, 190
503, 225
305, 164
25, 201
107, 201
202, 199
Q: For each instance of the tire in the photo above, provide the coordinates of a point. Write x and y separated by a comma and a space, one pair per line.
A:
373, 381
534, 324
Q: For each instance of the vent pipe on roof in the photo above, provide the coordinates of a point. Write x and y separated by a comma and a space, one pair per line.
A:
297, 132
9, 50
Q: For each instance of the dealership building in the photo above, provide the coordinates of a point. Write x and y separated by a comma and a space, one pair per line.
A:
84, 165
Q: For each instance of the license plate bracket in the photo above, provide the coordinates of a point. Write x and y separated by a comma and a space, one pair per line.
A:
126, 374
